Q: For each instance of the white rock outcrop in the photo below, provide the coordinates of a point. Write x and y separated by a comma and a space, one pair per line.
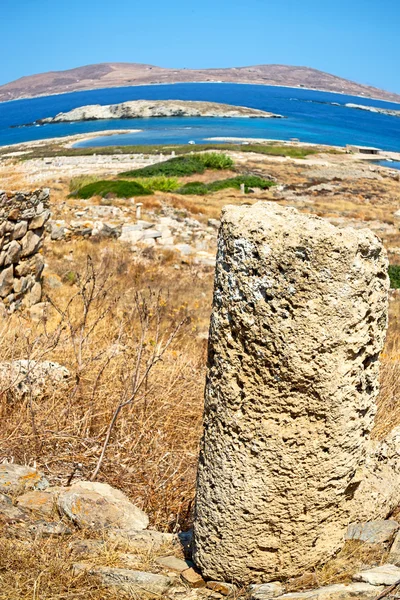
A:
143, 109
287, 462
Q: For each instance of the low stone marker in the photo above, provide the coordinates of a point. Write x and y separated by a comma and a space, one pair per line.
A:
287, 462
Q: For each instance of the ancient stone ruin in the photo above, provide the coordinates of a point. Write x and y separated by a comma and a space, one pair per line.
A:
287, 460
22, 223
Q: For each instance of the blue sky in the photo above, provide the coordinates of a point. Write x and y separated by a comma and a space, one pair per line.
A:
357, 39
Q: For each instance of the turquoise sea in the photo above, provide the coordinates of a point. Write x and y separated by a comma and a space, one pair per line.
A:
318, 117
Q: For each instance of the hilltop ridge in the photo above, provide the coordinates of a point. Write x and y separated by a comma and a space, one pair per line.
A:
108, 75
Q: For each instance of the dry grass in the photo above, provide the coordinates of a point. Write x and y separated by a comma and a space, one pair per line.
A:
353, 557
43, 569
153, 449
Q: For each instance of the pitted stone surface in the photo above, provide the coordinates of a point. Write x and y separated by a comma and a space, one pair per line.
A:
299, 319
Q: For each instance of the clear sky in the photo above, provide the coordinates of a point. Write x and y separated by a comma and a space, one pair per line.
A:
356, 39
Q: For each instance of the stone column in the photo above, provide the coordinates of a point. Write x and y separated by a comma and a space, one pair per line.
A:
299, 319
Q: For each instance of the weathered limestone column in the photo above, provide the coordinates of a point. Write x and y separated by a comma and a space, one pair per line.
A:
299, 319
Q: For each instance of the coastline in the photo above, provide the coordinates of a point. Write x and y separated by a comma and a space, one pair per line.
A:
290, 87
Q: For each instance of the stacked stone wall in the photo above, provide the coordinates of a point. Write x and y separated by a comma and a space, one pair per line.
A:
23, 217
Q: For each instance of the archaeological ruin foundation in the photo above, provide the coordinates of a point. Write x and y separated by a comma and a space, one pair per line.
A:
287, 459
23, 216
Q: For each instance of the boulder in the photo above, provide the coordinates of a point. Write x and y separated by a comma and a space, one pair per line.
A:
42, 502
100, 507
15, 479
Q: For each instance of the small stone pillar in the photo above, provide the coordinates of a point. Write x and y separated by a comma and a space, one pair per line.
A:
139, 210
286, 462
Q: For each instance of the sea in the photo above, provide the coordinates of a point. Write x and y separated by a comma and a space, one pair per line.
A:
310, 116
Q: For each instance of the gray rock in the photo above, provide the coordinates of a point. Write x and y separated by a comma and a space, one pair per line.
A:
100, 507
184, 249
265, 591
340, 591
20, 230
6, 281
144, 540
128, 579
48, 529
34, 296
12, 254
39, 220
104, 230
16, 479
10, 513
30, 243
57, 230
172, 563
383, 575
373, 532
152, 234
394, 554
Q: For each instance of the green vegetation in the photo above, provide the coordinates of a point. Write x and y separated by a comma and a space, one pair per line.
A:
146, 186
183, 165
394, 276
201, 189
118, 188
159, 184
76, 183
55, 149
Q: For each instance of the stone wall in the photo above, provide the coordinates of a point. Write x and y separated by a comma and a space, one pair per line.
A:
287, 460
23, 216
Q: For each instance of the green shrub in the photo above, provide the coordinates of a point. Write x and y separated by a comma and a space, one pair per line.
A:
394, 276
159, 184
180, 166
249, 181
213, 160
196, 188
119, 188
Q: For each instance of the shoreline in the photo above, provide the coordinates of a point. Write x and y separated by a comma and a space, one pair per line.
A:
69, 141
197, 82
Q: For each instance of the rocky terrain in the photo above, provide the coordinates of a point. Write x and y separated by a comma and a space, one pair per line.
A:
143, 109
106, 75
374, 109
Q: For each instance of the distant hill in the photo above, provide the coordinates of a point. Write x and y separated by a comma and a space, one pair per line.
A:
107, 75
